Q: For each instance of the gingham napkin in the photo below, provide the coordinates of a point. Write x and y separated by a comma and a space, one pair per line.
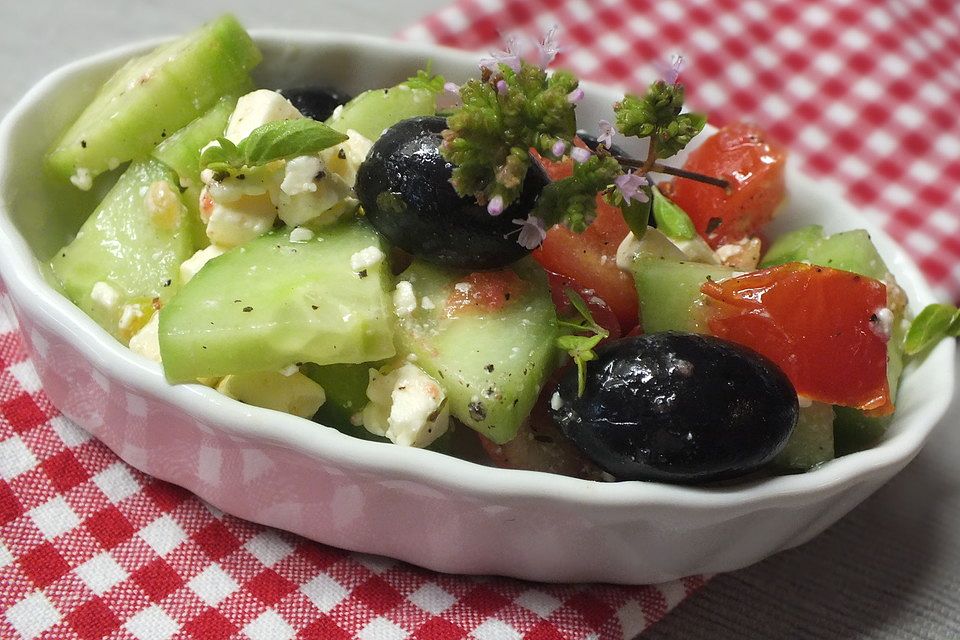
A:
863, 93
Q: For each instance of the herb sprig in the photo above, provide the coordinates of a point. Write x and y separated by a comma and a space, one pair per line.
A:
280, 140
933, 324
580, 347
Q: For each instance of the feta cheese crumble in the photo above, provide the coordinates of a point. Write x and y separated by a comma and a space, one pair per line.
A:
301, 234
105, 296
366, 258
407, 406
404, 299
82, 179
255, 109
300, 174
146, 342
192, 265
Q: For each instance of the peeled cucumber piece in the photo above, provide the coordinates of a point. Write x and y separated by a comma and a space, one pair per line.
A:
811, 442
492, 364
346, 389
273, 302
153, 96
669, 293
129, 245
181, 152
371, 112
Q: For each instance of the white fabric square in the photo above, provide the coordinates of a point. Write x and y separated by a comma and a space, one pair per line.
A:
212, 585
26, 376
152, 623
432, 598
269, 548
382, 629
33, 615
493, 629
631, 616
116, 482
71, 434
15, 458
542, 604
163, 535
268, 626
324, 592
54, 517
5, 556
101, 573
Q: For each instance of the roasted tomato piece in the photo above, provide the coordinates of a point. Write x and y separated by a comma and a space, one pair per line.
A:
590, 258
599, 309
754, 166
824, 327
484, 291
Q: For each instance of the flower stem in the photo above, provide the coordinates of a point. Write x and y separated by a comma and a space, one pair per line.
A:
656, 167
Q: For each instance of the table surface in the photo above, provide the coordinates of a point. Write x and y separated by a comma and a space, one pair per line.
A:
890, 569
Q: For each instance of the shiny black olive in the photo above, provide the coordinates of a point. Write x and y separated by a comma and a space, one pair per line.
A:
404, 187
316, 102
678, 407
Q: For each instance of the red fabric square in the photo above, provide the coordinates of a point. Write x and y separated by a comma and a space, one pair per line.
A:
270, 587
210, 625
595, 611
93, 619
109, 527
10, 507
23, 413
378, 595
157, 579
165, 495
484, 601
64, 471
323, 628
318, 555
216, 540
43, 565
544, 630
438, 629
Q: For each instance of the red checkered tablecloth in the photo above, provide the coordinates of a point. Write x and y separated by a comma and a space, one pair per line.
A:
864, 93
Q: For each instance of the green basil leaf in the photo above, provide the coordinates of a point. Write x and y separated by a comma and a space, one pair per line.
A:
637, 215
285, 139
223, 154
671, 219
935, 322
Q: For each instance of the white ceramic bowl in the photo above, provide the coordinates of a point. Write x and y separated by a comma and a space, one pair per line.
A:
426, 508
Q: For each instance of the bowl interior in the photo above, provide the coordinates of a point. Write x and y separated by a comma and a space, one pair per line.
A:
39, 215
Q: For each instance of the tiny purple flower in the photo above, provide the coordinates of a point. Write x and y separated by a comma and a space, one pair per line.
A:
580, 155
532, 232
547, 49
449, 97
630, 185
558, 148
575, 96
502, 87
510, 56
671, 71
605, 133
495, 206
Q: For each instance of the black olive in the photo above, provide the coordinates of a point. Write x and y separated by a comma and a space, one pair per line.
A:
678, 407
316, 102
404, 187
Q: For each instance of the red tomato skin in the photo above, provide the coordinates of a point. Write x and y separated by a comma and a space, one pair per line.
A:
589, 259
755, 168
816, 323
599, 309
486, 291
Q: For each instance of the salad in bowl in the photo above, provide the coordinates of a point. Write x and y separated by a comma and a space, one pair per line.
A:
463, 273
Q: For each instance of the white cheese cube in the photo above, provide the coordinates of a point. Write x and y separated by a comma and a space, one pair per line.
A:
300, 174
105, 296
193, 264
231, 224
322, 205
146, 342
345, 159
255, 109
407, 406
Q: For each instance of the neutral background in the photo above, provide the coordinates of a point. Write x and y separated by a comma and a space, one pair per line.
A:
891, 569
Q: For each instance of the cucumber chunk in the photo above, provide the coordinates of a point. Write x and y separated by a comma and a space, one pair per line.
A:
127, 249
371, 112
153, 96
669, 293
811, 442
491, 363
273, 302
346, 389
